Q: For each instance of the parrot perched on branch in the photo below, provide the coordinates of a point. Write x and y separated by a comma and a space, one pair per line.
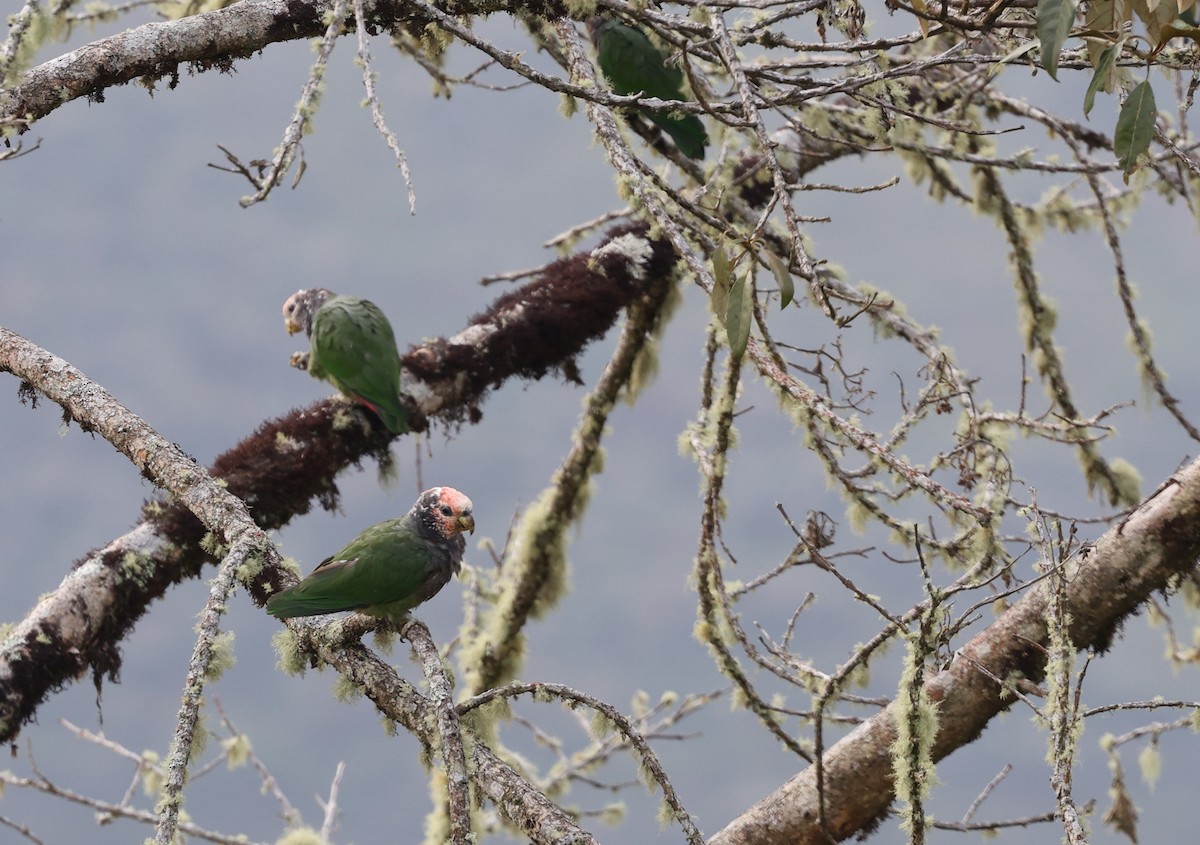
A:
389, 568
352, 347
632, 65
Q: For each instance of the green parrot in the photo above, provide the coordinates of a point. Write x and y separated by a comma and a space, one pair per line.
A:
389, 568
352, 347
632, 65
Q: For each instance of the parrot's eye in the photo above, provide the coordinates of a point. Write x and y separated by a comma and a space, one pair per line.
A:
447, 510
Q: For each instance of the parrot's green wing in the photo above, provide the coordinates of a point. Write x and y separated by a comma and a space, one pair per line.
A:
383, 571
352, 346
632, 64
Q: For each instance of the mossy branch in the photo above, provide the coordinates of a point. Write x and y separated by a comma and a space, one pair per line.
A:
519, 801
534, 573
286, 466
454, 761
1105, 583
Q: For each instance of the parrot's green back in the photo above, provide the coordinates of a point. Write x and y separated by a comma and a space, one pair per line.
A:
632, 64
352, 347
382, 571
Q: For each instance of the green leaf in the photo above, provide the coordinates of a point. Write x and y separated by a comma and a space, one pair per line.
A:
1135, 127
1054, 21
740, 314
1101, 78
783, 278
722, 281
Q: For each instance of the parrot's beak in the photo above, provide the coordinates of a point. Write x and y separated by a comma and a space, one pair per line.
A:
291, 325
467, 522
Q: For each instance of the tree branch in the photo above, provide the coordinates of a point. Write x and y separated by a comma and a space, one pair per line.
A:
281, 469
1105, 583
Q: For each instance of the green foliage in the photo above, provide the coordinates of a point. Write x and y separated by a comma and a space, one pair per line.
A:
1135, 127
722, 270
783, 278
1101, 79
1054, 20
740, 314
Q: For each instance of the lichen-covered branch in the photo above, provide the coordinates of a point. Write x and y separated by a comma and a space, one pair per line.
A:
450, 741
1105, 583
282, 469
534, 572
180, 754
73, 626
521, 803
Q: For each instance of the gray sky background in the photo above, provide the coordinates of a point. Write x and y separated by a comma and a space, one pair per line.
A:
124, 254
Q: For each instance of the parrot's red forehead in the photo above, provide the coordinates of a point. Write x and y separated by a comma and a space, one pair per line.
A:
457, 501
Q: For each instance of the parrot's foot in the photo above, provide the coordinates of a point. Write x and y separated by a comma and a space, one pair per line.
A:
402, 625
299, 360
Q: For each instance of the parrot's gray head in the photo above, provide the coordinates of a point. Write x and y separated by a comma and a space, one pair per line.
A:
445, 512
299, 308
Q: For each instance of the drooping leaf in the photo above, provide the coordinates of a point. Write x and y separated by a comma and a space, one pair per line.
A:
1135, 127
740, 314
1179, 29
1054, 21
783, 278
922, 9
1155, 14
722, 281
1101, 79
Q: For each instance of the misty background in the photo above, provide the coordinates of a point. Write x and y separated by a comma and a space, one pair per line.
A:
123, 253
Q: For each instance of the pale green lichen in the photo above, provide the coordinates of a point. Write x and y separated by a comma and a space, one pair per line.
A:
1127, 482
289, 656
612, 814
567, 106
437, 820
237, 750
916, 719
343, 419
221, 657
601, 726
346, 690
249, 569
136, 567
286, 444
151, 772
1150, 764
384, 639
200, 735
211, 545
301, 836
